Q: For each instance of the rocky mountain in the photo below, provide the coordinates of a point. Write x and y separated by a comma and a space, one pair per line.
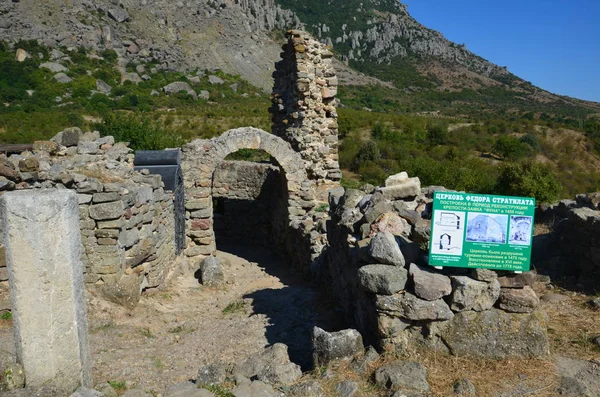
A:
376, 42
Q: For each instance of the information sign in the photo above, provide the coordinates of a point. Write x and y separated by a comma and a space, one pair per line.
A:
481, 231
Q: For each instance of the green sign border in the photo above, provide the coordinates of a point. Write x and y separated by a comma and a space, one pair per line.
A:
481, 231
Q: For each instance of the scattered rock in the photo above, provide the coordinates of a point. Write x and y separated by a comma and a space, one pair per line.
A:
464, 387
102, 87
271, 365
516, 300
45, 146
469, 294
125, 292
212, 374
362, 363
187, 389
215, 80
429, 285
346, 388
118, 14
62, 78
407, 189
255, 389
311, 388
484, 275
384, 249
211, 272
382, 279
204, 95
397, 179
340, 345
86, 392
21, 55
554, 298
402, 375
68, 137
53, 67
179, 86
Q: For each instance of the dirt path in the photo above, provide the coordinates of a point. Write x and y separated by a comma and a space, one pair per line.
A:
171, 333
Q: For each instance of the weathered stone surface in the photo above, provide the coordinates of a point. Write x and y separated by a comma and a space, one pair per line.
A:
484, 275
45, 146
382, 279
211, 374
390, 222
126, 292
187, 389
579, 377
311, 388
410, 307
215, 80
496, 334
363, 363
405, 190
346, 388
271, 365
469, 294
29, 164
87, 147
86, 392
211, 272
107, 211
397, 179
518, 300
341, 345
46, 279
402, 375
178, 86
255, 389
390, 326
62, 78
384, 249
429, 285
53, 67
103, 87
68, 137
464, 387
517, 280
118, 14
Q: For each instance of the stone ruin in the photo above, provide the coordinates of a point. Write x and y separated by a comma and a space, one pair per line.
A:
370, 248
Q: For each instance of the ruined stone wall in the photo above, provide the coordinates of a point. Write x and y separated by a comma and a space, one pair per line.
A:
572, 249
381, 280
303, 110
126, 217
251, 204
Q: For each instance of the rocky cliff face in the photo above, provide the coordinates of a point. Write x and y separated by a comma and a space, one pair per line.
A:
232, 35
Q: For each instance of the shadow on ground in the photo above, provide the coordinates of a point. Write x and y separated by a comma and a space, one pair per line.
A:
293, 310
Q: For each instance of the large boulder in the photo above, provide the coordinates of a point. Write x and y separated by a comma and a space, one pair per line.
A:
340, 345
385, 249
53, 67
178, 86
68, 137
402, 375
496, 334
382, 279
211, 272
125, 292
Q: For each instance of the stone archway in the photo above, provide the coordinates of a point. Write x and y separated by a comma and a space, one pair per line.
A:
201, 157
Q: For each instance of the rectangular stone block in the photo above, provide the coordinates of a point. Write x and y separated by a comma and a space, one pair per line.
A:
43, 251
105, 211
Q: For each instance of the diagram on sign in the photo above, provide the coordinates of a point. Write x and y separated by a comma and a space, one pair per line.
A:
447, 236
520, 230
486, 228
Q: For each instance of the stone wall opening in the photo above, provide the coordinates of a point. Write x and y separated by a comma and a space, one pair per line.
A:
250, 204
200, 161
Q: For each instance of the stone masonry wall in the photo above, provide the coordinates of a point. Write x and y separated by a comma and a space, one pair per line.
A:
252, 204
126, 217
572, 249
380, 278
303, 110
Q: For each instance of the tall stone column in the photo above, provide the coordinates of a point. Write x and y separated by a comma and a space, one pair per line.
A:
43, 254
304, 105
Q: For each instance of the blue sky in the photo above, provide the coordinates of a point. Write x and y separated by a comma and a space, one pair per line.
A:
554, 44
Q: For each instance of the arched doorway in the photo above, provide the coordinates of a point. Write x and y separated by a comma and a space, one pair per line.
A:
200, 159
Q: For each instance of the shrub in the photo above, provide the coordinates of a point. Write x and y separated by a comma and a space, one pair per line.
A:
140, 132
528, 179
